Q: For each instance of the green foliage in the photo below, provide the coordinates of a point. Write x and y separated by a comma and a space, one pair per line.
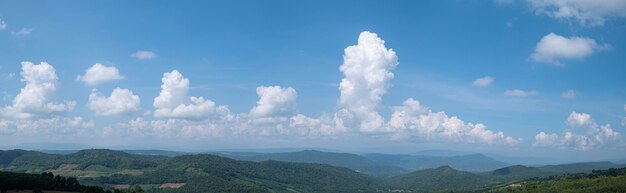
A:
44, 181
611, 180
440, 179
85, 158
209, 173
347, 160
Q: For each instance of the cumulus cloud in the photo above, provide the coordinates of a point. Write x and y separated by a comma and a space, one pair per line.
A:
3, 25
367, 72
483, 81
579, 120
36, 97
569, 94
414, 120
520, 93
587, 13
594, 136
121, 101
143, 55
275, 101
99, 73
553, 48
173, 101
22, 32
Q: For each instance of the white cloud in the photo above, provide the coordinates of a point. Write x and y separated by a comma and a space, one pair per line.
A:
569, 94
99, 73
414, 120
579, 120
3, 25
35, 98
52, 125
143, 55
586, 12
22, 32
520, 93
121, 101
169, 128
275, 101
595, 135
483, 81
553, 48
173, 101
367, 69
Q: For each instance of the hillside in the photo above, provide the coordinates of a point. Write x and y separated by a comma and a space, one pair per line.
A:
304, 171
584, 167
352, 161
195, 173
209, 173
610, 180
471, 162
517, 172
439, 179
446, 178
84, 163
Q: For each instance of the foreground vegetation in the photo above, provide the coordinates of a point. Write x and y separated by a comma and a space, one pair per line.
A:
611, 180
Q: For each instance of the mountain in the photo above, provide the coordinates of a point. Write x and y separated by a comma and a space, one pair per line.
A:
352, 161
439, 152
516, 172
210, 173
6, 157
585, 167
611, 180
156, 152
444, 178
194, 173
471, 162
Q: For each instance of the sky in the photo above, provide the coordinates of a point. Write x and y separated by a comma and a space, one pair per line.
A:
533, 78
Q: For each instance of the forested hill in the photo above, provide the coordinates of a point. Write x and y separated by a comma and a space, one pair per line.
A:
212, 173
198, 173
352, 161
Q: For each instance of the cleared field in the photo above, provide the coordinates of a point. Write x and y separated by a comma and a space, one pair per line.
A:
172, 185
91, 171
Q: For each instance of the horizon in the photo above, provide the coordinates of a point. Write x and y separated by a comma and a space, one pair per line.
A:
506, 78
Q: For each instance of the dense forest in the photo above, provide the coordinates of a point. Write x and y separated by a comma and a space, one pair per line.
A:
100, 170
611, 180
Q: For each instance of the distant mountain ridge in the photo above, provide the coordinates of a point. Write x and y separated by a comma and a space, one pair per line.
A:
470, 162
352, 161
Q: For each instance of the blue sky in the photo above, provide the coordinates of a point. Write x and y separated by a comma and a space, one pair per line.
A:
283, 59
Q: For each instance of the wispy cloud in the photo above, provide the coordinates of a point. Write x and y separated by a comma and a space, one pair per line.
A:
143, 55
520, 93
3, 24
23, 32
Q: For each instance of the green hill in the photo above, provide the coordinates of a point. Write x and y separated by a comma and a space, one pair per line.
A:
611, 180
443, 178
352, 161
210, 173
471, 162
585, 167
